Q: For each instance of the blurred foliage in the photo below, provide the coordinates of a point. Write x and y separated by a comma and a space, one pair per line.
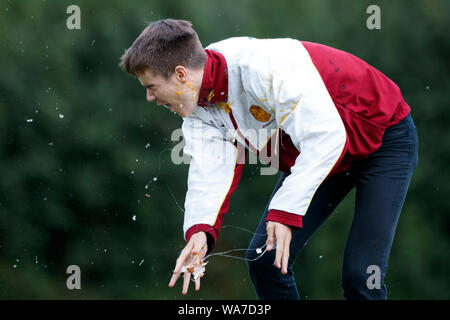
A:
80, 147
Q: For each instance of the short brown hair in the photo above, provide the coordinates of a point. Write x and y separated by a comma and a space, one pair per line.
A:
162, 46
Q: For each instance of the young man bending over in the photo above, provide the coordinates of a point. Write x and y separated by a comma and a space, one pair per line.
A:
334, 123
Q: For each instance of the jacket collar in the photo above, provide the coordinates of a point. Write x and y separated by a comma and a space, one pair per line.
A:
214, 87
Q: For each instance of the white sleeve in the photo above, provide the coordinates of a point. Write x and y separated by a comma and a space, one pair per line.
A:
306, 112
316, 129
211, 172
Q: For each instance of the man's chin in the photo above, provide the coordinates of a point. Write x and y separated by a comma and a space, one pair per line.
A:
182, 114
185, 113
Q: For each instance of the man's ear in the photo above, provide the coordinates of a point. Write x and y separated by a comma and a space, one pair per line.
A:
181, 73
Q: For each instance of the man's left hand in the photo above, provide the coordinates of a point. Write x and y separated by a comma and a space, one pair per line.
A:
283, 235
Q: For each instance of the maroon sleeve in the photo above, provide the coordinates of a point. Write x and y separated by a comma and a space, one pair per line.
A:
289, 219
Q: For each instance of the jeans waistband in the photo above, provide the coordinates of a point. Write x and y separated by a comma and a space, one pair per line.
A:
406, 123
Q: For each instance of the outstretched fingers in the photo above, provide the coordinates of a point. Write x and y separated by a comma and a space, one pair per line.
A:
197, 283
285, 257
190, 258
270, 236
282, 235
279, 251
178, 267
187, 279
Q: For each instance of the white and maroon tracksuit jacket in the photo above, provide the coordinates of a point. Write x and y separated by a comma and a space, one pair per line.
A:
320, 107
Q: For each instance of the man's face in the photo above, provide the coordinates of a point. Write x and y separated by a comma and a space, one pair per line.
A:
176, 92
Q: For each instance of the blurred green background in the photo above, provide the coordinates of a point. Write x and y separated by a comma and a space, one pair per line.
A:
80, 147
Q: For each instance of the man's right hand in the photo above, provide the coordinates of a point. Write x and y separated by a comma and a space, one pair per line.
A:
193, 252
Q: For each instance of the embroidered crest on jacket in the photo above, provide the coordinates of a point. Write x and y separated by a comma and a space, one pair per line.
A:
259, 114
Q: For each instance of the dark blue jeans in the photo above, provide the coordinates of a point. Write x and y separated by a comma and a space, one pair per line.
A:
381, 183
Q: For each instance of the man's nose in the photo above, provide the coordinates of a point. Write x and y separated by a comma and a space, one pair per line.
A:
150, 96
